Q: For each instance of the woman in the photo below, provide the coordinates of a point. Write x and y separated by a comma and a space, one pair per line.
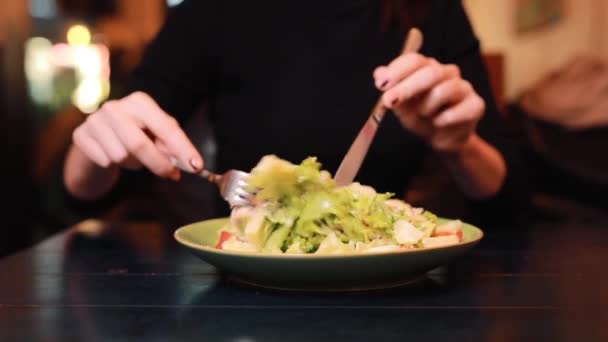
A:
298, 79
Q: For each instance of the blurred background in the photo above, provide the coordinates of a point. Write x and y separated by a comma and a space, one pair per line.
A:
59, 59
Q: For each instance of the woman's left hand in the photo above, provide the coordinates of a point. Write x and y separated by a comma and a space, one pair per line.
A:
431, 100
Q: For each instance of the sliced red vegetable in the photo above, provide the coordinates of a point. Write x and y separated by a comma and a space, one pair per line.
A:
223, 237
449, 229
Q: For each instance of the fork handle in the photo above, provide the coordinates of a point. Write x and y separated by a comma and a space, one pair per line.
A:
210, 176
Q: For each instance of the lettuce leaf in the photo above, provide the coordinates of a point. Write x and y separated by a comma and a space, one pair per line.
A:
305, 211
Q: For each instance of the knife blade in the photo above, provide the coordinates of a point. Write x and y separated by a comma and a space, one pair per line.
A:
350, 165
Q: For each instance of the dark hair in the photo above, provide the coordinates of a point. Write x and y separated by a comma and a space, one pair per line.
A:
404, 14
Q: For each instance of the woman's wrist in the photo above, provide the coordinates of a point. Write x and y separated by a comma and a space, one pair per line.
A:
478, 168
86, 180
471, 145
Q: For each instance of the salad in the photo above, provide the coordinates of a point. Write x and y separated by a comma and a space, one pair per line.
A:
299, 209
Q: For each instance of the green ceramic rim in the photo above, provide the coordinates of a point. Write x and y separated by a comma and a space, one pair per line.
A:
470, 230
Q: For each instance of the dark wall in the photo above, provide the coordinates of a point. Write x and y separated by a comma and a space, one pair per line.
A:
88, 8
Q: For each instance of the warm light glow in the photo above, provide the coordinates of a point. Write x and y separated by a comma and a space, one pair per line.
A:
92, 65
44, 62
37, 53
87, 61
62, 55
88, 95
79, 35
38, 69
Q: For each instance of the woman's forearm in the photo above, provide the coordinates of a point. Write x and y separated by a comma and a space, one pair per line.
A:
478, 168
86, 180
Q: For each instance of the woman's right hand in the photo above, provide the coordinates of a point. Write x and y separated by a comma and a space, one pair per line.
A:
135, 132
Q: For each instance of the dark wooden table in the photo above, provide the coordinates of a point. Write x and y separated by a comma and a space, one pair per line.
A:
543, 281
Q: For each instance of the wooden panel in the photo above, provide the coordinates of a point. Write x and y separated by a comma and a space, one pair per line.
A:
296, 324
495, 67
130, 282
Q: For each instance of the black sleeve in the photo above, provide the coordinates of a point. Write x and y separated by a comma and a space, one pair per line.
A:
461, 46
177, 67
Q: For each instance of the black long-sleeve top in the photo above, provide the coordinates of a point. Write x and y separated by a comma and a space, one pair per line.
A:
295, 79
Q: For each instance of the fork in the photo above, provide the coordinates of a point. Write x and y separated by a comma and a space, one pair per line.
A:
232, 184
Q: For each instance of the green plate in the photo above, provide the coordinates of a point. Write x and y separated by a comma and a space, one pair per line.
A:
320, 272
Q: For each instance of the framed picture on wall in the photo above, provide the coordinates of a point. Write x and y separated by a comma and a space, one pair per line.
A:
531, 15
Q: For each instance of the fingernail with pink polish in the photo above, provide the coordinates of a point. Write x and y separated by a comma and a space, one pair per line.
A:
196, 164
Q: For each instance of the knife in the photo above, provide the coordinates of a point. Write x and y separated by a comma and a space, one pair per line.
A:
353, 159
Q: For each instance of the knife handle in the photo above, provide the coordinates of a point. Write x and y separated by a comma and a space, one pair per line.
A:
413, 43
